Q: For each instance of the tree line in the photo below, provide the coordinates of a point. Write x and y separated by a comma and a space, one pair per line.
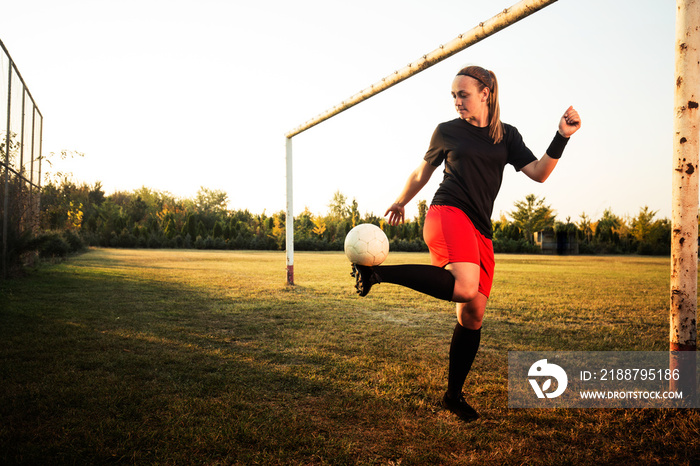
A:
79, 214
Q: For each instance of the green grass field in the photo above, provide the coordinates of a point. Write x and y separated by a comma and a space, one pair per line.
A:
200, 357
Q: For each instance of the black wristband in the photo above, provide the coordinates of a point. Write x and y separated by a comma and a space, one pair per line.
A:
556, 147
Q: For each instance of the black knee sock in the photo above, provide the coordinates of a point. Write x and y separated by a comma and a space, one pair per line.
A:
429, 279
465, 344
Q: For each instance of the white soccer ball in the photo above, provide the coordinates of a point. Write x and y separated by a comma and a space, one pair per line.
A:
366, 244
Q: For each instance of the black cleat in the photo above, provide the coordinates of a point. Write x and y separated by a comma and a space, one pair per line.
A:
365, 277
460, 407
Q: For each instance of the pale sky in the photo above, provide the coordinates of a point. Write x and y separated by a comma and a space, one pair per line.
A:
178, 94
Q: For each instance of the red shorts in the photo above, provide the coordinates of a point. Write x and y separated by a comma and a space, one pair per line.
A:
451, 237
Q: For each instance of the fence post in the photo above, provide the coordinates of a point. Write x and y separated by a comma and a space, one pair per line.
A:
38, 175
684, 237
6, 204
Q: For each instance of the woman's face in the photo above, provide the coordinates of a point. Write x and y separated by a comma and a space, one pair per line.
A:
470, 103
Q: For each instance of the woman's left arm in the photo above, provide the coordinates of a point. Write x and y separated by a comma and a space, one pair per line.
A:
539, 170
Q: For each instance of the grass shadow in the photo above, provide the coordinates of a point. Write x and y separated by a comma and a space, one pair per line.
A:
161, 357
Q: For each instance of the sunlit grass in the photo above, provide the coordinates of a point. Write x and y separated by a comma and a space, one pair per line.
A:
182, 357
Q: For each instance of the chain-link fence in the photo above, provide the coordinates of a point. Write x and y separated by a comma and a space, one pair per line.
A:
20, 162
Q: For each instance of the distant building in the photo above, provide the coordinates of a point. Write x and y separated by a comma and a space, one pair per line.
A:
563, 243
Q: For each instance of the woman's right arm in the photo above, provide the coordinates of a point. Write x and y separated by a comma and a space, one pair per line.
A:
418, 178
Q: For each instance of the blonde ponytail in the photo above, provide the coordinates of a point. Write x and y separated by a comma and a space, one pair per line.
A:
495, 126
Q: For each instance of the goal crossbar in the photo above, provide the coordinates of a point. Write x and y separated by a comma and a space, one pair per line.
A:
485, 29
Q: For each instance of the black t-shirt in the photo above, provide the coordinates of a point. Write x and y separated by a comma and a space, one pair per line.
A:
474, 167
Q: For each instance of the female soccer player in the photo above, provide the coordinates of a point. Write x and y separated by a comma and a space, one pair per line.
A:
475, 149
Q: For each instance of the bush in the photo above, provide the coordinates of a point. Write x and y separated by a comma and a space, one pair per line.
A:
154, 241
586, 249
520, 246
24, 250
653, 249
75, 242
90, 238
309, 244
405, 245
125, 240
18, 247
51, 245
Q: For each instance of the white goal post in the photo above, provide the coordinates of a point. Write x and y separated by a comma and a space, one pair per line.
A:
686, 148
